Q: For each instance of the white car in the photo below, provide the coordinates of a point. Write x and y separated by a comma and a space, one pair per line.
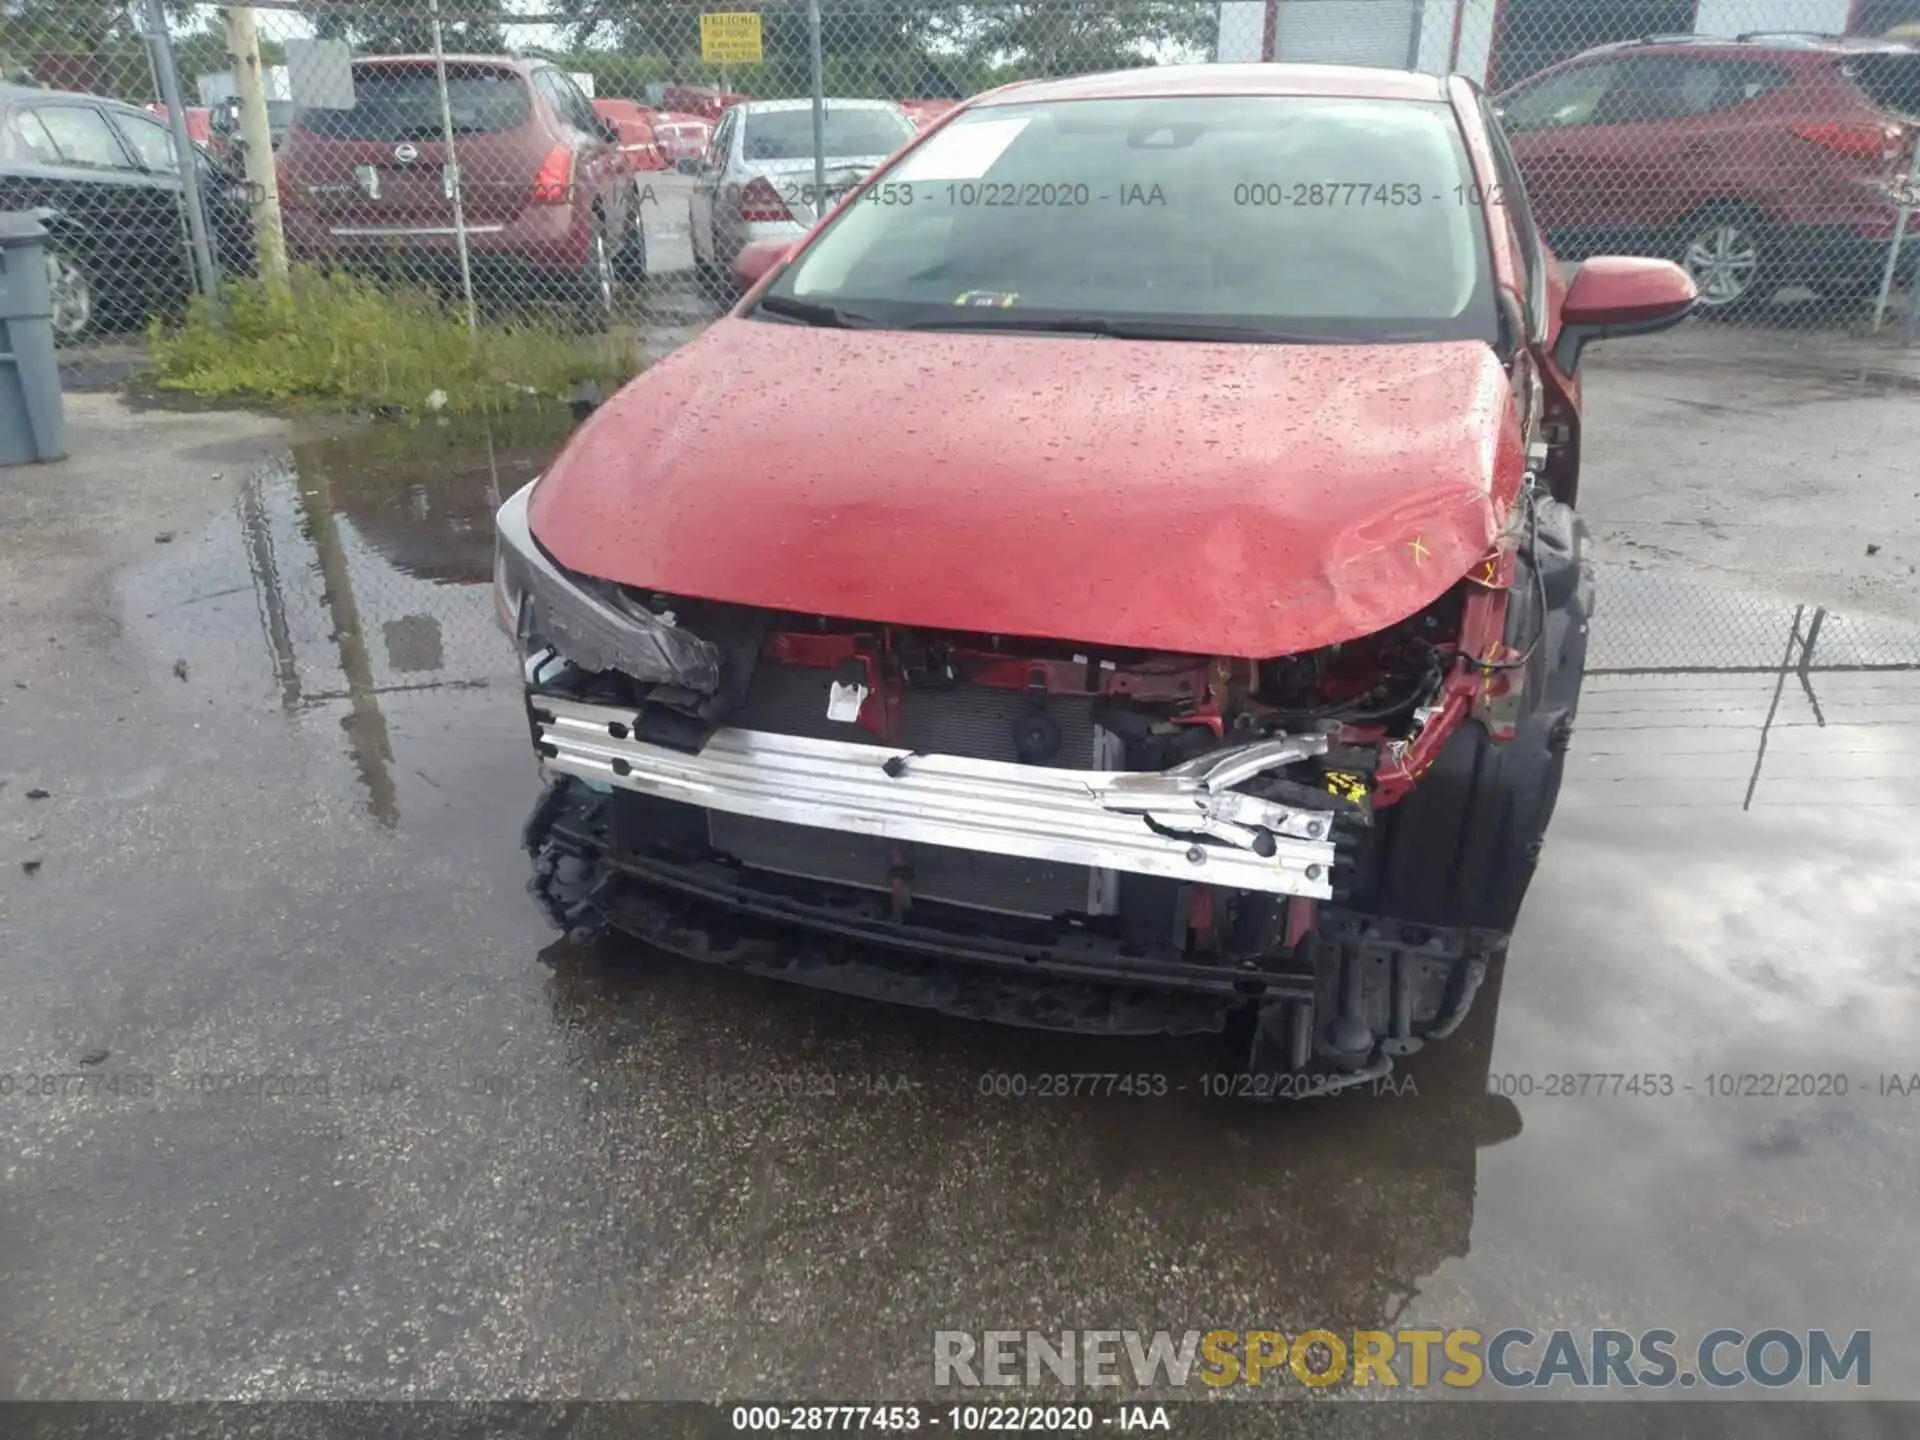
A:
756, 180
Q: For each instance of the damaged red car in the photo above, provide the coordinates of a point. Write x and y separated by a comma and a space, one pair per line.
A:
1119, 573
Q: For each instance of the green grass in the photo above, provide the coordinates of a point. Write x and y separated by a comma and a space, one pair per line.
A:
338, 342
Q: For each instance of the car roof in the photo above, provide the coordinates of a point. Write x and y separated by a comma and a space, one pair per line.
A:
504, 62
15, 94
763, 107
1764, 42
1343, 81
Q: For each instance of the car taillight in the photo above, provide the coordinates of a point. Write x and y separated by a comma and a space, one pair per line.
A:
1858, 142
760, 201
554, 184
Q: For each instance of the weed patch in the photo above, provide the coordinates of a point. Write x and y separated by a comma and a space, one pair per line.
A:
340, 342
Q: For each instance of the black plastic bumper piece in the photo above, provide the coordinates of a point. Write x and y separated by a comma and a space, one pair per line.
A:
1356, 994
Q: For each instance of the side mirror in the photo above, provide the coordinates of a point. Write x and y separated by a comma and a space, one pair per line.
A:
687, 165
1614, 295
609, 131
759, 257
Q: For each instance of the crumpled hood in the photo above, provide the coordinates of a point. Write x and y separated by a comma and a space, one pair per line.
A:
1216, 499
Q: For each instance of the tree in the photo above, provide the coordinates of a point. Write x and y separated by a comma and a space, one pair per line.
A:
204, 52
1041, 38
30, 27
405, 27
897, 48
99, 48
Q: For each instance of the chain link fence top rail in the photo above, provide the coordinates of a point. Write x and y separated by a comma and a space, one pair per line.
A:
600, 163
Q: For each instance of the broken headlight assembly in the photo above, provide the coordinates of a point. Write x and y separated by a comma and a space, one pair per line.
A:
595, 624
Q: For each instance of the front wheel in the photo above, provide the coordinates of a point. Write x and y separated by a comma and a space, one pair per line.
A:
594, 287
72, 294
1732, 256
631, 261
714, 282
1460, 848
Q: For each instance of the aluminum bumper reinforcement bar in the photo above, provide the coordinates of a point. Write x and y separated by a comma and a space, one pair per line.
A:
1182, 824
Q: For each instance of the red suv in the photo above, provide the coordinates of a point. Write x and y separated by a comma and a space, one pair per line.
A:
1757, 163
546, 192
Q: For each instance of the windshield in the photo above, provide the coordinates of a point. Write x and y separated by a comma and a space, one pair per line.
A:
1891, 82
788, 134
394, 103
1275, 217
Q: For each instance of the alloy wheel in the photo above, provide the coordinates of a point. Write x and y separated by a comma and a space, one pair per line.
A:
72, 297
1724, 261
602, 271
634, 253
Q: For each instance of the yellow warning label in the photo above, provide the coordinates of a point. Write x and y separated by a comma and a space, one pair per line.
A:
1346, 785
730, 37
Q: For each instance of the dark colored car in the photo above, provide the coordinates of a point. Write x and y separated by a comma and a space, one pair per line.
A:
224, 119
104, 180
547, 197
1756, 163
1101, 578
227, 146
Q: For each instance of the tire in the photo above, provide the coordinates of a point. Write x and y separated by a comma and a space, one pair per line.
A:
1733, 255
76, 301
1460, 848
715, 283
630, 263
594, 287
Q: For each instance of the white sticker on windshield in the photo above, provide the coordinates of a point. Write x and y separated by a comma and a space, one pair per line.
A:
965, 150
844, 702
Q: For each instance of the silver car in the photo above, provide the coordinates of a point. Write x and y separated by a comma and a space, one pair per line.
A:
756, 180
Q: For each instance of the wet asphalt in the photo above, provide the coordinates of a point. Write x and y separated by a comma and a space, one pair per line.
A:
287, 769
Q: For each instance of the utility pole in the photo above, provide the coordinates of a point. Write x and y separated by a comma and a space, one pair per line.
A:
256, 135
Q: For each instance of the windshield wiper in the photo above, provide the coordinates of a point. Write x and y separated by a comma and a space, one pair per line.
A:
1196, 330
811, 312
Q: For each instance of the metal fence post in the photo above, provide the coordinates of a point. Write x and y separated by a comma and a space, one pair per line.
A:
1911, 327
819, 111
450, 170
160, 52
1899, 235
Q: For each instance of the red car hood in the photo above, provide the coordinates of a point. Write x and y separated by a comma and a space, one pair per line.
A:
1217, 499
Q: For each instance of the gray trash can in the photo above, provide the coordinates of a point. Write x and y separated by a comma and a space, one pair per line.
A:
33, 426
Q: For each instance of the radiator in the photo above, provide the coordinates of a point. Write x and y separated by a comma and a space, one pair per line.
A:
972, 721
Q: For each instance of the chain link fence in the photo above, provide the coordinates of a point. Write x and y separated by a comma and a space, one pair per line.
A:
601, 163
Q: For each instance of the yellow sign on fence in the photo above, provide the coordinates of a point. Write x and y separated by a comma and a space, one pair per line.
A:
730, 37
